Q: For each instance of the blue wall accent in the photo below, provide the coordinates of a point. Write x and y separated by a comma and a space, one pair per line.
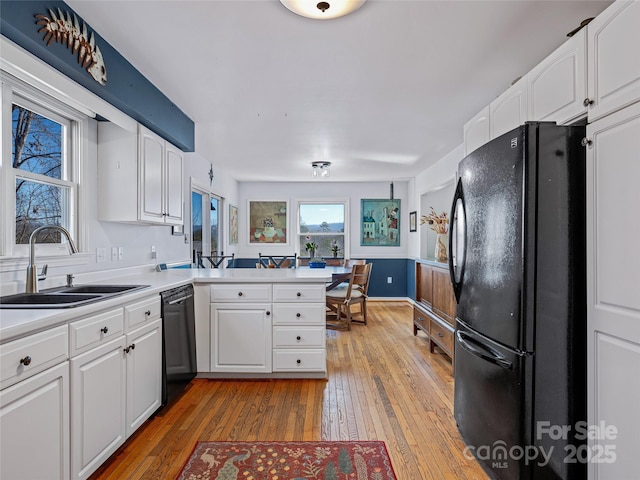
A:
411, 278
126, 88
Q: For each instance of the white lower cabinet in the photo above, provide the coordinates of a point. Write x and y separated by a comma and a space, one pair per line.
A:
115, 386
144, 378
241, 338
264, 328
98, 402
34, 427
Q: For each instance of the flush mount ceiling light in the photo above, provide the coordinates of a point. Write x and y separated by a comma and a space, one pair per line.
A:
321, 10
320, 169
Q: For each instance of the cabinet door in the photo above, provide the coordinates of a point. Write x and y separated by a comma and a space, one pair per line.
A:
241, 338
144, 374
509, 110
151, 176
613, 291
174, 185
34, 427
424, 284
558, 85
476, 131
613, 59
444, 303
98, 382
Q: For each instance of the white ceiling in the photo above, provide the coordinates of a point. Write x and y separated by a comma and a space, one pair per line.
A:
382, 93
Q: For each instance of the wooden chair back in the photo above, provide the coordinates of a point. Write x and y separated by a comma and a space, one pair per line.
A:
348, 262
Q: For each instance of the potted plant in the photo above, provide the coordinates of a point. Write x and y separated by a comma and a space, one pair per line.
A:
311, 247
335, 249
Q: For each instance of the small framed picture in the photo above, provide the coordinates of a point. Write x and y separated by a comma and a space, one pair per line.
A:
413, 221
233, 225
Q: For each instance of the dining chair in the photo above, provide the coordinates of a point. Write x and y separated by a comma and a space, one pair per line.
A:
215, 261
348, 262
277, 261
340, 300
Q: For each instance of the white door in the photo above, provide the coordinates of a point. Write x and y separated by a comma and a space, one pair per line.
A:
558, 85
614, 59
613, 293
144, 374
34, 427
174, 198
151, 173
240, 338
98, 385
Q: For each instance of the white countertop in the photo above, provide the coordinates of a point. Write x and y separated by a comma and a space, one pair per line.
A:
16, 323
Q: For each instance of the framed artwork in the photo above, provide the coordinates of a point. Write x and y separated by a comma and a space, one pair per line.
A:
268, 222
380, 223
233, 225
413, 221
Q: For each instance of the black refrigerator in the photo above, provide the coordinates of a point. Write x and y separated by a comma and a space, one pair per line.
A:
517, 264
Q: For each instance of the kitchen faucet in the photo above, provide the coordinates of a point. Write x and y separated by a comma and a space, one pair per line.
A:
32, 277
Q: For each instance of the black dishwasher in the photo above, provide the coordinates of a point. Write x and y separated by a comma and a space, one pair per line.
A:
179, 341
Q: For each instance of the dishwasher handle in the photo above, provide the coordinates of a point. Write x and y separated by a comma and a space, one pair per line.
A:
180, 299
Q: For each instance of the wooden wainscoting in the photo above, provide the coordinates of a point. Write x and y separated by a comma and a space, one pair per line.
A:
383, 384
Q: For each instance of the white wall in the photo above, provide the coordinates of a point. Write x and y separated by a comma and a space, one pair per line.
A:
322, 190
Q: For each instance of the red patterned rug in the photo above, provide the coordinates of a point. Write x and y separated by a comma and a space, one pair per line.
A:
365, 460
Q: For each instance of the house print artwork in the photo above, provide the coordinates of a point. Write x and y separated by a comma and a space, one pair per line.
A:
380, 223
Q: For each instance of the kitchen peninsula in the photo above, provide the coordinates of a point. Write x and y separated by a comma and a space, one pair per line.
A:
250, 323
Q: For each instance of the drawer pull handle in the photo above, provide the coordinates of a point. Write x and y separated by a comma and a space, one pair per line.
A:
147, 313
298, 294
298, 338
298, 315
26, 361
129, 348
104, 329
439, 334
587, 102
268, 313
239, 294
298, 361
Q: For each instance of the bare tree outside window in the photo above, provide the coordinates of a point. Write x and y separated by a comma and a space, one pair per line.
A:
38, 146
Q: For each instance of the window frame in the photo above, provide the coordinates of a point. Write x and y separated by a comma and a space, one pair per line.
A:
74, 175
341, 201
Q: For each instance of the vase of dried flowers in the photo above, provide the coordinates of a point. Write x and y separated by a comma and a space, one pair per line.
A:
439, 223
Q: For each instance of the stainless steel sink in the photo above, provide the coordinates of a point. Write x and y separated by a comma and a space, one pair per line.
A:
66, 297
100, 289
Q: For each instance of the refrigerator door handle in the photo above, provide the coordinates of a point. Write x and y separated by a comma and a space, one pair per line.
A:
474, 348
459, 232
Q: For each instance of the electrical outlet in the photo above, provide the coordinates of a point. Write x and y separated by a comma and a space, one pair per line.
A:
101, 255
389, 279
114, 254
153, 252
120, 253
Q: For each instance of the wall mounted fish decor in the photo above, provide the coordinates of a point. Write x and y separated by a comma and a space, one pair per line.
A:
61, 28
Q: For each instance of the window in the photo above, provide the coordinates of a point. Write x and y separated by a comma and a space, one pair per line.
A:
42, 177
322, 223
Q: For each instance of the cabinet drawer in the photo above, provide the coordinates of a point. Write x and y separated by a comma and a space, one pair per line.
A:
139, 313
300, 337
299, 314
442, 335
241, 293
299, 360
96, 330
27, 356
296, 292
421, 319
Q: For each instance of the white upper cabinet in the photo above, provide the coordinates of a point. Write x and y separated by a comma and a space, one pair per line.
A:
614, 59
509, 110
557, 86
141, 177
476, 131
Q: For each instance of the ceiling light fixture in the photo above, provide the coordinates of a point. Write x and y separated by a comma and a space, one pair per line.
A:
322, 10
320, 169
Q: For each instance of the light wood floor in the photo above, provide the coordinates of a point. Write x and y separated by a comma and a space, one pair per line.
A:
383, 384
